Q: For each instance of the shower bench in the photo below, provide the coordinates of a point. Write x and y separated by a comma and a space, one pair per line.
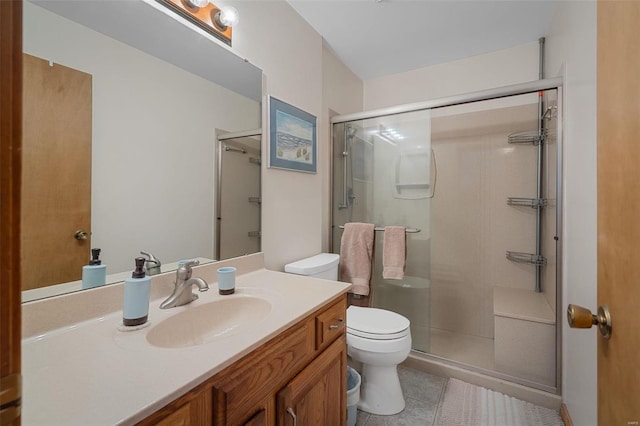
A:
525, 335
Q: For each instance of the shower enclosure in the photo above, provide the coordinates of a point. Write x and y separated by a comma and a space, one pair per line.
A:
475, 179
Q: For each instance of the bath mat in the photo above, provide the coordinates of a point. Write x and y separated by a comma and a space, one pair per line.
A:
464, 404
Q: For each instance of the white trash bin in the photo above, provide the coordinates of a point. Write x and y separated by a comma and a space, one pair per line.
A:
353, 395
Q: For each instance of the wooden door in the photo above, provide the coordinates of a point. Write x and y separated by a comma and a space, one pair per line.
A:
10, 163
619, 210
317, 395
56, 187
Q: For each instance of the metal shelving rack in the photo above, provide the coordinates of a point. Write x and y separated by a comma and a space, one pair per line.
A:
538, 139
538, 203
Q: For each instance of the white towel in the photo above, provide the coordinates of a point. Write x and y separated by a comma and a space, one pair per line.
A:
356, 250
394, 252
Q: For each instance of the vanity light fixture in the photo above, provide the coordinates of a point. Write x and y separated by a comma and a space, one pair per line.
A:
215, 20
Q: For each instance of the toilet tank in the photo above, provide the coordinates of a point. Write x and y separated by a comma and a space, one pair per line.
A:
323, 265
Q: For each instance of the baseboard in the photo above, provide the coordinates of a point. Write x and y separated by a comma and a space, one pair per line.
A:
534, 396
564, 414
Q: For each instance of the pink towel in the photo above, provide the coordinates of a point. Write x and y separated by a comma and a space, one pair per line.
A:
356, 249
394, 252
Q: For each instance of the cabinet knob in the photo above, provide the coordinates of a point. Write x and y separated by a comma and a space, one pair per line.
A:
337, 325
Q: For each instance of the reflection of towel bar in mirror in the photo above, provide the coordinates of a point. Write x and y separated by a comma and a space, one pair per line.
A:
381, 228
228, 148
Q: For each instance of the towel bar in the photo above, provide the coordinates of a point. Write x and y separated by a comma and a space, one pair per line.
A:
381, 228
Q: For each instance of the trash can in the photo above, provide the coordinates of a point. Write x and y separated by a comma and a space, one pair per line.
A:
353, 395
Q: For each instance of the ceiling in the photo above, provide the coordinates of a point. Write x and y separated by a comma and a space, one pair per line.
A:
381, 37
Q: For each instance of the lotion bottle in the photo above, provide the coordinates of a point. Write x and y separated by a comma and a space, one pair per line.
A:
136, 296
95, 273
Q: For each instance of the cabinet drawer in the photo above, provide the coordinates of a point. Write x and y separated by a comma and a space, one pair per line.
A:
260, 373
331, 323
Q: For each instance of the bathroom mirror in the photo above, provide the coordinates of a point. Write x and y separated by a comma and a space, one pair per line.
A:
156, 90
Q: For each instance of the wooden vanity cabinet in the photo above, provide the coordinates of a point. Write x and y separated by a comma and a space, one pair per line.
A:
301, 372
311, 399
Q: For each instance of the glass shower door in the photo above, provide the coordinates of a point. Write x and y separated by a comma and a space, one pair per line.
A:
384, 172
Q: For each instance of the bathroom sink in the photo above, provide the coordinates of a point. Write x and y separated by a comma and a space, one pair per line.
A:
209, 322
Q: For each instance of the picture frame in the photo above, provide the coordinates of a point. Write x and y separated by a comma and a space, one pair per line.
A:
292, 138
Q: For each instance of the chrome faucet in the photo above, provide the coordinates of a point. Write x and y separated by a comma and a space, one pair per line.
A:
153, 264
182, 294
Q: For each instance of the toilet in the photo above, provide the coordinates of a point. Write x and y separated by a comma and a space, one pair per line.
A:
377, 338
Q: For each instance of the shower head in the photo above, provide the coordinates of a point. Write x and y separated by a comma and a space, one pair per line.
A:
351, 132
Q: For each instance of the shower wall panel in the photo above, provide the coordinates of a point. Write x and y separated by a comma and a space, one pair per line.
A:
472, 225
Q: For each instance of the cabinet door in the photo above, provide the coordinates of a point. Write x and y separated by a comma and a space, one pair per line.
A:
259, 419
317, 396
192, 409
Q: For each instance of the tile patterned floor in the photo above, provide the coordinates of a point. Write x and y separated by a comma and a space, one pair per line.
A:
422, 393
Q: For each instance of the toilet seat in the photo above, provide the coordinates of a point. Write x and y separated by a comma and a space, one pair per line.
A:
376, 324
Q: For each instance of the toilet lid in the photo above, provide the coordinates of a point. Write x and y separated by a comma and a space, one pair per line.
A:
376, 323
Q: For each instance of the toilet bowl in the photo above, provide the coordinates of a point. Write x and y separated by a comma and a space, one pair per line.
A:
380, 340
377, 338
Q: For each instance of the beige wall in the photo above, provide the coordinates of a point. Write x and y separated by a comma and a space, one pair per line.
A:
342, 94
299, 71
275, 38
500, 68
571, 52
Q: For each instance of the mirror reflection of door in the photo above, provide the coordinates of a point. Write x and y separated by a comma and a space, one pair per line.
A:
56, 184
239, 195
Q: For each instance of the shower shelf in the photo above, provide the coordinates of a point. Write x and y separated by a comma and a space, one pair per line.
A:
519, 257
530, 137
255, 160
255, 200
527, 202
401, 186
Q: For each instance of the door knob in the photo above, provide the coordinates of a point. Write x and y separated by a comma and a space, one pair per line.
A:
579, 317
80, 235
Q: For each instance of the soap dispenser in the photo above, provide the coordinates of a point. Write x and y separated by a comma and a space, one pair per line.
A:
136, 296
95, 273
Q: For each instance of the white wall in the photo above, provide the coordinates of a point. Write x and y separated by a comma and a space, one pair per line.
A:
571, 51
153, 142
272, 36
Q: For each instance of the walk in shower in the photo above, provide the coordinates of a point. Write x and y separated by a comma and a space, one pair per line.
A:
475, 179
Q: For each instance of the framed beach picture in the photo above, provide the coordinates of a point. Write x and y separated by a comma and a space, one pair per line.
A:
292, 138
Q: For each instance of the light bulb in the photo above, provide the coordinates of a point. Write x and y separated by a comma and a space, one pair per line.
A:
228, 16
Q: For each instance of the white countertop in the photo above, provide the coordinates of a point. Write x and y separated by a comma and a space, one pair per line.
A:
91, 373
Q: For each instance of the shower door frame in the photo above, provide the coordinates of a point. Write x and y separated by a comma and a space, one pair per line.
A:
485, 95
